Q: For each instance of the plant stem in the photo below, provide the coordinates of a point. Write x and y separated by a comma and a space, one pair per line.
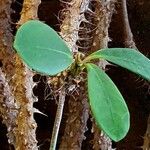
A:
57, 119
128, 36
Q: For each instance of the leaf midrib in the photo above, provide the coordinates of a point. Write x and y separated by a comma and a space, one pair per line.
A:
50, 49
126, 60
103, 91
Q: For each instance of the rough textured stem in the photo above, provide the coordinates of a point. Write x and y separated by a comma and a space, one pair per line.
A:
58, 119
29, 10
102, 142
21, 131
77, 117
76, 120
8, 108
6, 52
71, 25
128, 36
103, 11
73, 16
26, 125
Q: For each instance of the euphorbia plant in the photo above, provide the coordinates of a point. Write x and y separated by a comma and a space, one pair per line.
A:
42, 49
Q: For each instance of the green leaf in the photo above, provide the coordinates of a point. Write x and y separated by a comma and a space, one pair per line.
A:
107, 104
42, 49
127, 58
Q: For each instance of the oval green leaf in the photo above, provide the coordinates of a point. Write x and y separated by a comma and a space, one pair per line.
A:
41, 48
107, 104
127, 58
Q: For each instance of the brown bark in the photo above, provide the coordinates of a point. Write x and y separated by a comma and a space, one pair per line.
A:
73, 15
26, 125
76, 120
16, 81
127, 33
8, 108
103, 13
29, 11
77, 117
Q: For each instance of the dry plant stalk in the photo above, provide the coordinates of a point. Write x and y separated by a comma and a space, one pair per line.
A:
76, 119
29, 11
26, 125
127, 33
8, 108
103, 12
58, 118
16, 83
73, 15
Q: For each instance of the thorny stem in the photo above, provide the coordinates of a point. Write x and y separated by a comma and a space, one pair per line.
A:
57, 119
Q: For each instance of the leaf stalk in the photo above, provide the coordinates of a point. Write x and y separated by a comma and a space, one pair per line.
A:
58, 119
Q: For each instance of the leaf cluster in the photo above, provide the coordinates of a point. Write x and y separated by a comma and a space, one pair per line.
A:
42, 49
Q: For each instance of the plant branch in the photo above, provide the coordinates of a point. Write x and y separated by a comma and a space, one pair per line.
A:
29, 11
8, 108
128, 36
58, 119
103, 11
76, 117
73, 15
77, 113
25, 131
